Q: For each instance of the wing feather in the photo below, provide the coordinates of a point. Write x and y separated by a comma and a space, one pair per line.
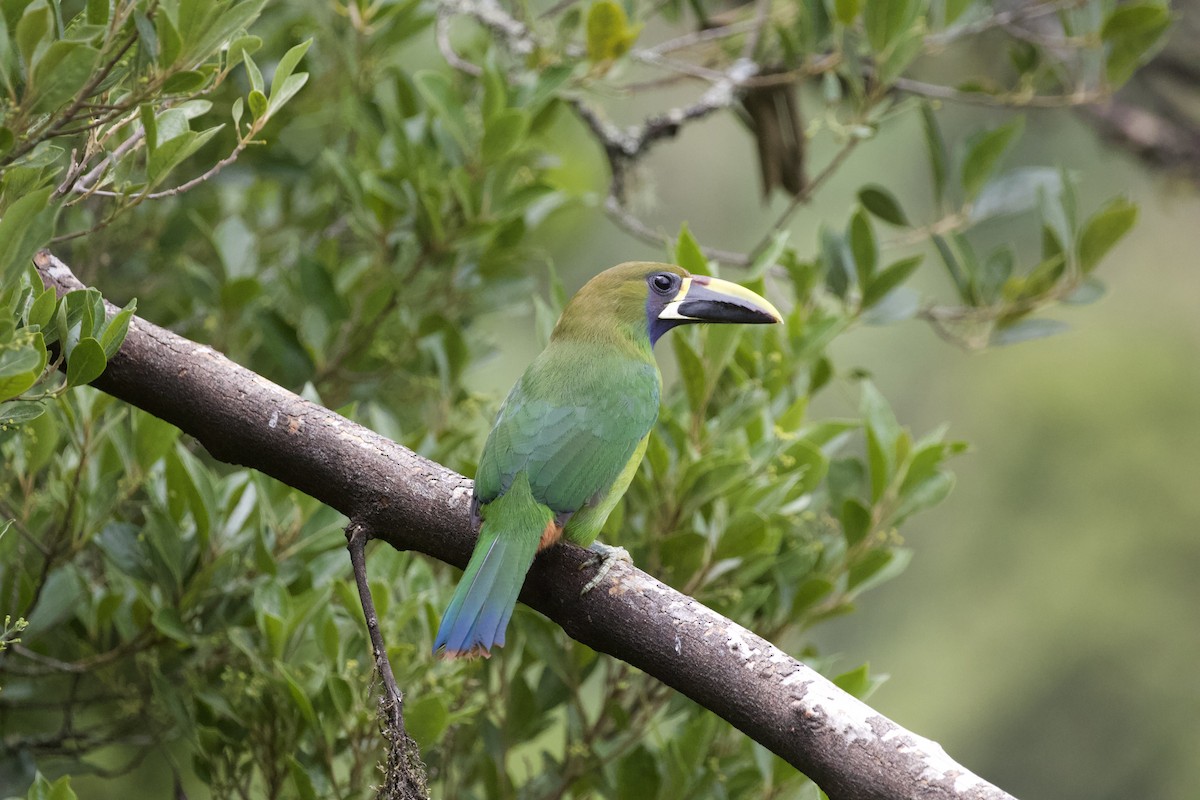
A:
572, 430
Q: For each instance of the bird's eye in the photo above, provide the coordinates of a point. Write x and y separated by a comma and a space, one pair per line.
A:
663, 282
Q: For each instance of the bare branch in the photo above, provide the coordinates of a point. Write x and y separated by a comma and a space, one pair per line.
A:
515, 34
847, 748
442, 35
405, 773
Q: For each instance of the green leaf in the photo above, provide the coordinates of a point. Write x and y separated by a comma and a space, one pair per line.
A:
118, 326
810, 592
997, 269
688, 253
152, 439
1105, 228
86, 363
609, 34
97, 12
923, 464
889, 278
793, 417
34, 26
20, 368
804, 460
746, 533
168, 623
834, 258
149, 125
426, 719
876, 567
173, 152
253, 74
863, 248
504, 133
900, 54
203, 26
240, 46
301, 780
984, 152
1043, 277
856, 521
923, 495
886, 20
691, 370
27, 225
939, 159
185, 82
1027, 329
961, 281
60, 599
236, 111
169, 42
287, 65
19, 412
42, 789
300, 698
287, 91
856, 682
495, 92
901, 303
883, 431
256, 101
61, 73
1089, 291
42, 442
1132, 34
41, 311
440, 96
883, 204
1016, 192
122, 544
769, 257
846, 11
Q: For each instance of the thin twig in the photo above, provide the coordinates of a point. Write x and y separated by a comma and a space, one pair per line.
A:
632, 225
1080, 97
194, 182
702, 36
515, 34
803, 198
442, 35
405, 775
762, 15
998, 20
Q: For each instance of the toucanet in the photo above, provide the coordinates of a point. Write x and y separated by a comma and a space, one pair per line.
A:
571, 433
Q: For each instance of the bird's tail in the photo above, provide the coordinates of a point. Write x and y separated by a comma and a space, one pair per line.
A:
513, 526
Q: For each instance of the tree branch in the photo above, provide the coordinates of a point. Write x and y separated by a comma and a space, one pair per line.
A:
848, 749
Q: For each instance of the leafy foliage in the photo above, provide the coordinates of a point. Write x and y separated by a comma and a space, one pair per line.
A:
203, 615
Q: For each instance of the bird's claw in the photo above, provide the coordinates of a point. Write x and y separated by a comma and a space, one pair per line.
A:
606, 556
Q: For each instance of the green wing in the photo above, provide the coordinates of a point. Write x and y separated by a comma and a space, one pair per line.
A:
572, 424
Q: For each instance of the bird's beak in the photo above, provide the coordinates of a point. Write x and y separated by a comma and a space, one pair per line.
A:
705, 299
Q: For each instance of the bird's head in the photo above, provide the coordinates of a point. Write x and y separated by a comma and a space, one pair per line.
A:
652, 297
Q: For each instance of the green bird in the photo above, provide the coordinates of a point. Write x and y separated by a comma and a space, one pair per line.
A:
572, 432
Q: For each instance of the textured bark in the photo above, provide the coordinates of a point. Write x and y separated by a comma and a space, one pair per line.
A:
851, 751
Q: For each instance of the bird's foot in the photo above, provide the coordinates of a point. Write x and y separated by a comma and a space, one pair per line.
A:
606, 556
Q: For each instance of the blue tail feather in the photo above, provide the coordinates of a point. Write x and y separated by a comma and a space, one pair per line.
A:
476, 619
